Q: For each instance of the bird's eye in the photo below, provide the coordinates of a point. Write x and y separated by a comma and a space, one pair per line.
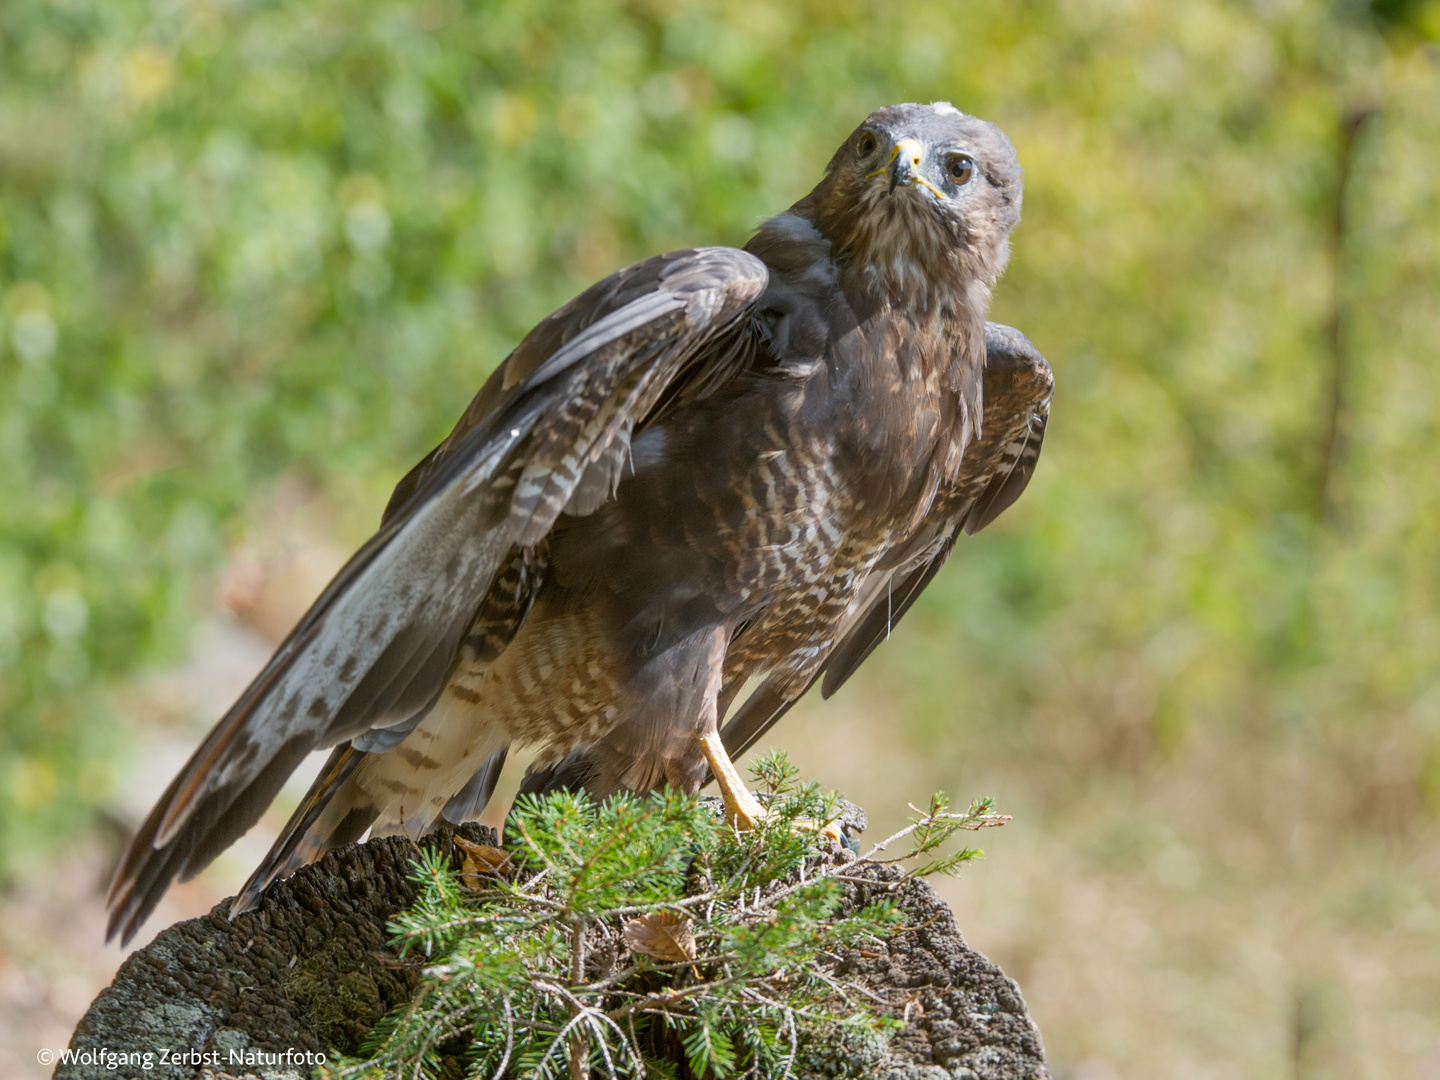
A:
867, 145
961, 168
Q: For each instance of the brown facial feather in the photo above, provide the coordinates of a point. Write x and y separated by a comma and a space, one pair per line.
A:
697, 471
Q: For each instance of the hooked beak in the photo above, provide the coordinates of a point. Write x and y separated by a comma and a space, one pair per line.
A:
905, 164
904, 167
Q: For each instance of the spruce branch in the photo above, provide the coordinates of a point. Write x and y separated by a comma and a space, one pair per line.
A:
645, 937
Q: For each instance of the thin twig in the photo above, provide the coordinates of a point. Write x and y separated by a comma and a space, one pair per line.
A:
509, 1038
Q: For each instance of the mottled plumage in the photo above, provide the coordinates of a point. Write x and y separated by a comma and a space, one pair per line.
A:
712, 465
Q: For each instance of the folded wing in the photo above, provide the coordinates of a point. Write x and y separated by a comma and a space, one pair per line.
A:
549, 432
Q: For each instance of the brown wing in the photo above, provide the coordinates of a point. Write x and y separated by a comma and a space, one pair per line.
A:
549, 430
993, 473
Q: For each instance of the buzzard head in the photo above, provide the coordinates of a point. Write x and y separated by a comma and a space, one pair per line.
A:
923, 199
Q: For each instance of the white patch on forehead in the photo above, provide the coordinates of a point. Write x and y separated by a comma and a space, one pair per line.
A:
944, 108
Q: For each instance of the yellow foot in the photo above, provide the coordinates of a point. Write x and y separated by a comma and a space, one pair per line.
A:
829, 829
742, 809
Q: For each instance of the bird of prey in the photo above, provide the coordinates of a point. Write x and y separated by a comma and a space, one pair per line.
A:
714, 465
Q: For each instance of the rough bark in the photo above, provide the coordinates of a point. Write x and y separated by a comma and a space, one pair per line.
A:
311, 970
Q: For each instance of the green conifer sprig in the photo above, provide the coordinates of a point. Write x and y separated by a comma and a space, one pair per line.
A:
644, 937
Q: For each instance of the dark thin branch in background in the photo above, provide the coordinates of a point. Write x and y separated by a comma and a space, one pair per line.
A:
1330, 494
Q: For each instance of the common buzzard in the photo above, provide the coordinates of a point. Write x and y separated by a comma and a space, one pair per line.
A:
712, 465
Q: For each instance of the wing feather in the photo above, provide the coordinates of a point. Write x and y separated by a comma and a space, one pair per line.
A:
375, 648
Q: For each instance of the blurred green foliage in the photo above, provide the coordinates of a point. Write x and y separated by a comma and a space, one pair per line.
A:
240, 239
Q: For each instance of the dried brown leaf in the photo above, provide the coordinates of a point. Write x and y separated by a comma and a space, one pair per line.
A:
480, 859
663, 935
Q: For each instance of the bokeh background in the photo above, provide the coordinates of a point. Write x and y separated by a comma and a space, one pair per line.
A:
255, 256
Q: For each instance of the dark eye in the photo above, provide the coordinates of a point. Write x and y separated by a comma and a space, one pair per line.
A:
961, 168
867, 144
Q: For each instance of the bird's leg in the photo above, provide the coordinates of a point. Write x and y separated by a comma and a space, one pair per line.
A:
742, 809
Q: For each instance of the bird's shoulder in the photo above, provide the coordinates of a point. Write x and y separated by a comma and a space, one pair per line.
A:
676, 323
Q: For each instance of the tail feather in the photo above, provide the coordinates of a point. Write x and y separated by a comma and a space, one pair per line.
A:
373, 650
245, 810
470, 801
335, 811
146, 870
571, 773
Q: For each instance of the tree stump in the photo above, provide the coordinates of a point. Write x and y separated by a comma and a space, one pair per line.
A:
311, 970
